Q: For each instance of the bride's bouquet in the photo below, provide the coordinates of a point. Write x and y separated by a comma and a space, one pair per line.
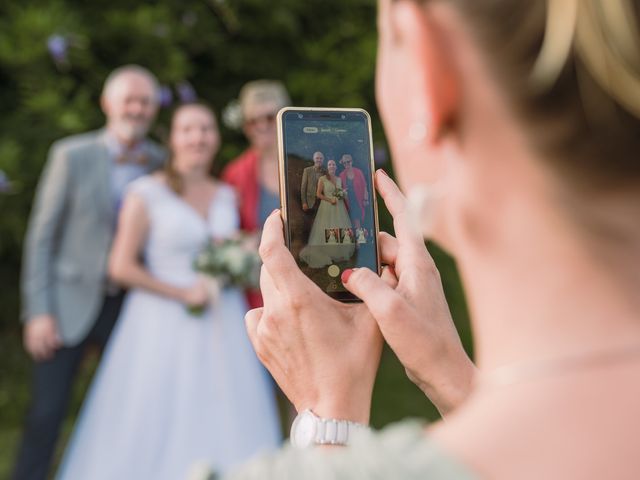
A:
230, 262
340, 193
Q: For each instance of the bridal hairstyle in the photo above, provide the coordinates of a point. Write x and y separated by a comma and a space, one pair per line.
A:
174, 180
571, 72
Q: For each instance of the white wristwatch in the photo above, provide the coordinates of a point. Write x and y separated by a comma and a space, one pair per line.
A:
308, 429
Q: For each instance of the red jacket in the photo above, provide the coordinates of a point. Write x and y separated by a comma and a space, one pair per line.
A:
359, 186
242, 174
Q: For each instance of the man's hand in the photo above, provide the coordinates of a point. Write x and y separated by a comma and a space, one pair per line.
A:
41, 338
305, 207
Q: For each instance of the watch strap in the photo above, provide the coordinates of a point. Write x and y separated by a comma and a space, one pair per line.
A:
331, 431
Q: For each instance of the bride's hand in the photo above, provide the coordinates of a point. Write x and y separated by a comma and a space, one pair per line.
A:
333, 200
324, 354
195, 296
413, 315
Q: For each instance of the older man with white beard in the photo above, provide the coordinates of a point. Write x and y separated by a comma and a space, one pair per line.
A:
68, 302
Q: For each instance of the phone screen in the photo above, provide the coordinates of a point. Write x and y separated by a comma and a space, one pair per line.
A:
328, 197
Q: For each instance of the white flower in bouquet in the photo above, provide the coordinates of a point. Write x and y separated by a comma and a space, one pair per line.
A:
212, 285
202, 260
232, 261
236, 259
340, 193
201, 471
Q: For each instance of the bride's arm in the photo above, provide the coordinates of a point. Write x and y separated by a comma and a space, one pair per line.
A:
320, 193
125, 266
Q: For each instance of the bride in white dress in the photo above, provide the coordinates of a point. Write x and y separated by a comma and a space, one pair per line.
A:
323, 247
173, 389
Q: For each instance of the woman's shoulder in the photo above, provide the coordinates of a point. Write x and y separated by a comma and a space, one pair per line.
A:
240, 167
146, 183
399, 451
404, 450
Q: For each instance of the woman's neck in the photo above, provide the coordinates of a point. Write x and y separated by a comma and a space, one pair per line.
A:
544, 291
194, 178
268, 154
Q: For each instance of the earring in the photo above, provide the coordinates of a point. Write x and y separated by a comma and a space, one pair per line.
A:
417, 132
422, 204
422, 198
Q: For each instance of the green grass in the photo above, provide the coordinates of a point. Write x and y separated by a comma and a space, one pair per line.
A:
14, 397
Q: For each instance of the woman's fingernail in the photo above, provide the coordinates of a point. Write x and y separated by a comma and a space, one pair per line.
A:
346, 274
276, 210
383, 172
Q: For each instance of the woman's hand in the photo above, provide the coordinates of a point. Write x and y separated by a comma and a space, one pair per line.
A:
196, 296
413, 315
333, 200
324, 354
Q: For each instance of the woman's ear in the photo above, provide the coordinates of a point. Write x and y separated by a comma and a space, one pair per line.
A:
421, 48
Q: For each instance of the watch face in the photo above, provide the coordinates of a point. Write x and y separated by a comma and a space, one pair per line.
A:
303, 430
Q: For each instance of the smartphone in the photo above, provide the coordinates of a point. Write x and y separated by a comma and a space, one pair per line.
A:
327, 193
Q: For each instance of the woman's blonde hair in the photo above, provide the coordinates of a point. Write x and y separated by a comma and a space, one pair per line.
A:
258, 92
571, 71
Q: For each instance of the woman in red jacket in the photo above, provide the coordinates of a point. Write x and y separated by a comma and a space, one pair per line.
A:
254, 174
357, 192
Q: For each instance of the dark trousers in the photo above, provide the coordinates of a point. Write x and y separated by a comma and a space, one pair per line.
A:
307, 218
52, 381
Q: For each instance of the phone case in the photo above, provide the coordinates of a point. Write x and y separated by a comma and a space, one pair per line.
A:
335, 238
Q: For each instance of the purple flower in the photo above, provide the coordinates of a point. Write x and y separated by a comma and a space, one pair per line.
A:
58, 47
166, 96
186, 92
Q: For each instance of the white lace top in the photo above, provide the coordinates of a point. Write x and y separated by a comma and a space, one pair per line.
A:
401, 451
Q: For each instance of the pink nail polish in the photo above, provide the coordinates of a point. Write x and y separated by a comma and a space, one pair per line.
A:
345, 275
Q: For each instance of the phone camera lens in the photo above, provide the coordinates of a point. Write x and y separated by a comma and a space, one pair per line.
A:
300, 115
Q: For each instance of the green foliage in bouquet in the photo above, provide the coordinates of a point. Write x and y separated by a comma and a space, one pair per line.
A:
340, 193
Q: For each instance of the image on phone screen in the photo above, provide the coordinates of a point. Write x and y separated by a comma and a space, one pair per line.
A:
330, 201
